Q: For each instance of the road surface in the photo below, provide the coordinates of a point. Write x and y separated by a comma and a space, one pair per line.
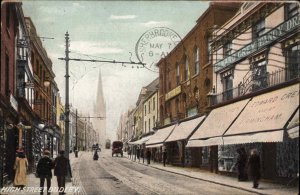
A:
118, 175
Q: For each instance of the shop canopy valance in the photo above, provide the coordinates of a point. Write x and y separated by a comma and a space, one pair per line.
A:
161, 135
185, 129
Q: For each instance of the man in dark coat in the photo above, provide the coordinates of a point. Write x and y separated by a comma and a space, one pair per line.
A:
61, 169
254, 167
241, 164
44, 167
148, 156
138, 153
164, 153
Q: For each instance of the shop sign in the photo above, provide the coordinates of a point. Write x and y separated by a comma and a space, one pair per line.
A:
13, 102
173, 93
274, 34
29, 84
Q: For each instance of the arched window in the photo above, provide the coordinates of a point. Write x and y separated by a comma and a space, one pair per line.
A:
197, 60
186, 68
177, 74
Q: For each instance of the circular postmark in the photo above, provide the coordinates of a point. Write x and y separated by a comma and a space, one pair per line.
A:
154, 44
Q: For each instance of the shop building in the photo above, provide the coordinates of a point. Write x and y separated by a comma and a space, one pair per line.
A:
45, 92
256, 86
186, 77
9, 118
151, 107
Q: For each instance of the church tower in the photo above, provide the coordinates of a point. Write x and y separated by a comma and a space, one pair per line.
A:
100, 110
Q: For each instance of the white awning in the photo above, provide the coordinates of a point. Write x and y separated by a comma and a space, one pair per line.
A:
161, 135
262, 137
154, 146
293, 126
208, 142
269, 111
219, 120
184, 129
293, 132
141, 141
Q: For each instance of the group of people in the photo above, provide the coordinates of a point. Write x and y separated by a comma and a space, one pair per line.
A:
253, 165
61, 166
140, 153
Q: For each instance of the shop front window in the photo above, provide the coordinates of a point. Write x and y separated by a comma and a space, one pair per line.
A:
205, 155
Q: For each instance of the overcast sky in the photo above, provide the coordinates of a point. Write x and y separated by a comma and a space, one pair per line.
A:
105, 30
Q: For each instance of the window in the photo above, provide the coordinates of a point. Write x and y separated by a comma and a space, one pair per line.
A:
153, 121
293, 62
258, 29
228, 84
196, 58
153, 103
227, 49
145, 110
6, 74
149, 106
209, 52
291, 10
145, 126
177, 74
149, 124
259, 75
186, 69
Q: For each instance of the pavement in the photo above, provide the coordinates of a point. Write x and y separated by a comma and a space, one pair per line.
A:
265, 187
74, 183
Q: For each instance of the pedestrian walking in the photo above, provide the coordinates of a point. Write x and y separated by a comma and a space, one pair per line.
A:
138, 153
96, 156
241, 164
44, 167
148, 155
61, 169
164, 153
254, 167
142, 154
21, 166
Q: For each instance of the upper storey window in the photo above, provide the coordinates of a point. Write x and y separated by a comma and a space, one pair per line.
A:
227, 49
186, 69
258, 29
291, 10
196, 58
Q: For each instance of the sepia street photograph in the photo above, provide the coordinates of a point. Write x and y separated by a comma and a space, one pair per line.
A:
149, 97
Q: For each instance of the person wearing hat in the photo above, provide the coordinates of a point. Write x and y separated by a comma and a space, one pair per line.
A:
61, 170
44, 167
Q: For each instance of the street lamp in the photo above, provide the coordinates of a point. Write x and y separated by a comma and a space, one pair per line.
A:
47, 82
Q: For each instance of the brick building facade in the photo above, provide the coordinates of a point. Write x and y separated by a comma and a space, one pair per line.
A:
186, 73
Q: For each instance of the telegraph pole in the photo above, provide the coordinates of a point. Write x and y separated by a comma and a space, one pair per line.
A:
67, 107
76, 135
